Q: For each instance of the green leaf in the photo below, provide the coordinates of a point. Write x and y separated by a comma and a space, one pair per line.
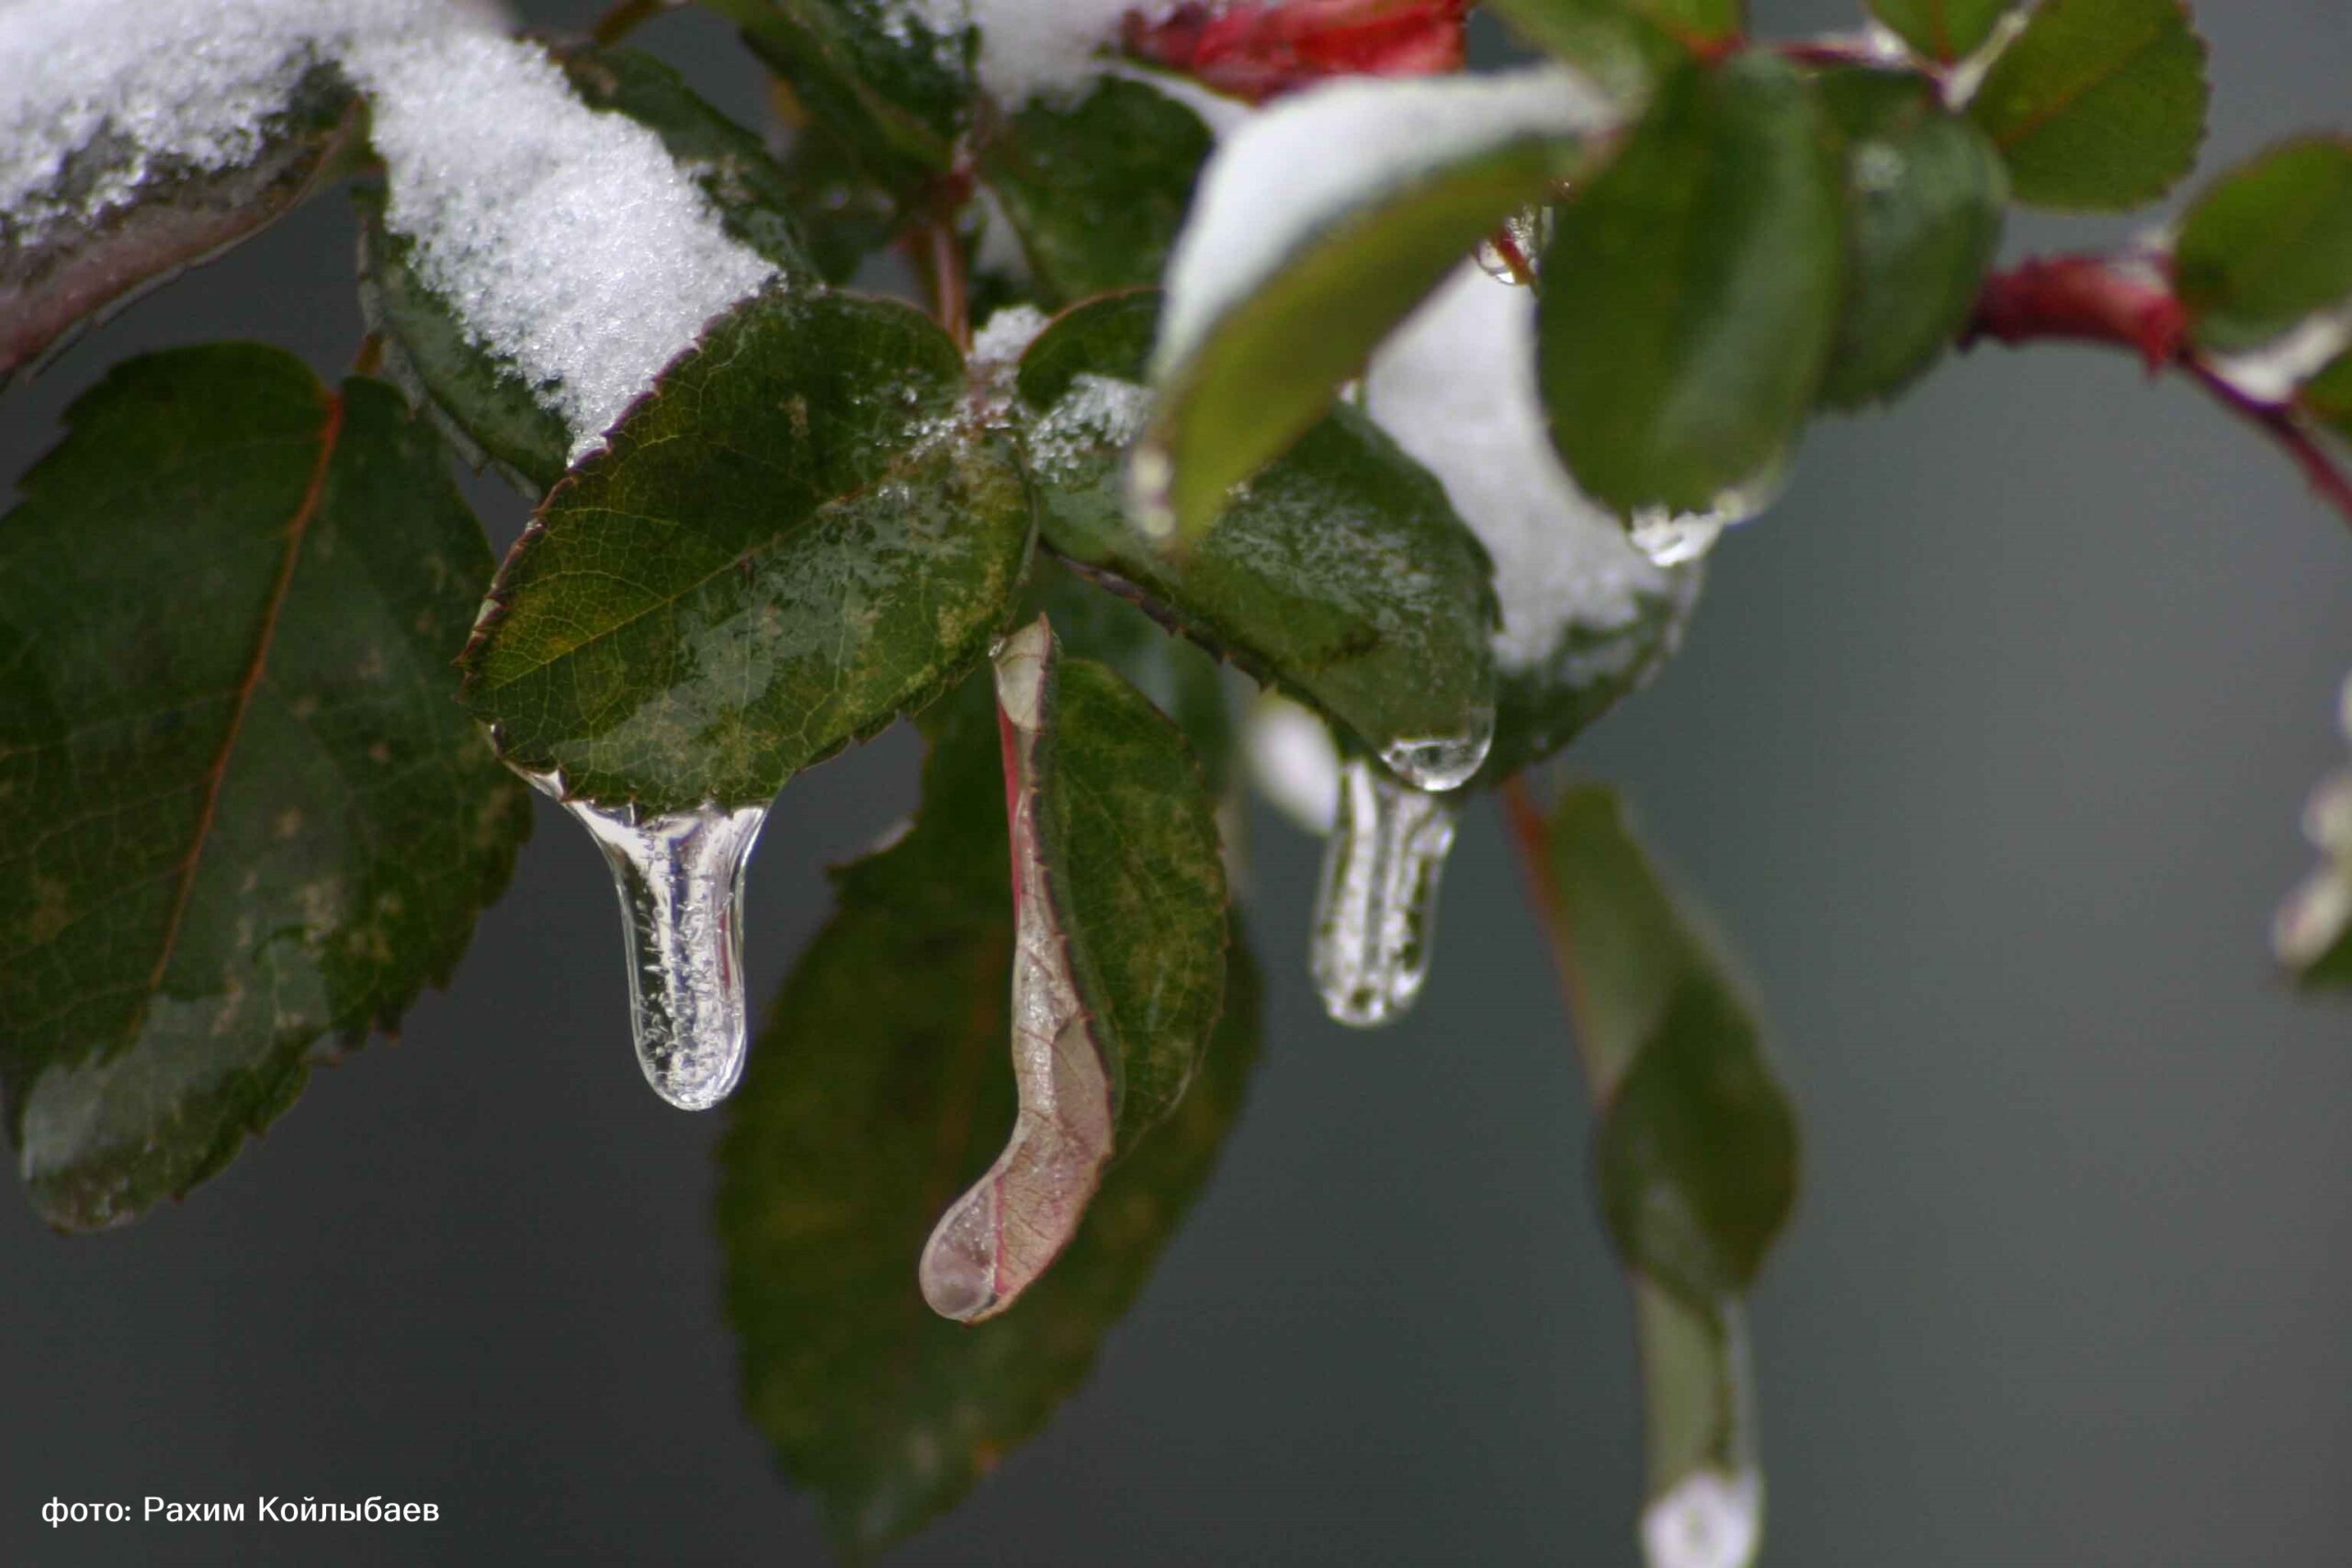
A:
1690, 291
1341, 573
1626, 42
1942, 30
2328, 397
2268, 245
1698, 1426
1539, 711
2099, 104
61, 265
873, 1096
1697, 1149
252, 823
1096, 188
803, 531
1254, 350
844, 216
1118, 971
486, 408
875, 73
1924, 197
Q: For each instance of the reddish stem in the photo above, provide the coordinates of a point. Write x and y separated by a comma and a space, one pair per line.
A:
1531, 837
2079, 299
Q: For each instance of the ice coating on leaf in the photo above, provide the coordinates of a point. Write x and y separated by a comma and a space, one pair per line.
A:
1375, 917
680, 878
999, 1236
1305, 164
1710, 1520
1293, 760
570, 243
1455, 387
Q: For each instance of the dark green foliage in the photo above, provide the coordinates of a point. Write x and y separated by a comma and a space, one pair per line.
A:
251, 824
1942, 30
2268, 245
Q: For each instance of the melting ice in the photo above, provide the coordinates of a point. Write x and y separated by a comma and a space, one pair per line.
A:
1376, 915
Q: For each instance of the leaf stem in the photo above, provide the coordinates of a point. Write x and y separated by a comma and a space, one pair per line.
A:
2129, 304
949, 286
626, 18
1531, 839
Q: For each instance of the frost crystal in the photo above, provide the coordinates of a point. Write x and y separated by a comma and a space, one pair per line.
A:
1287, 174
1097, 411
1008, 335
1455, 387
569, 243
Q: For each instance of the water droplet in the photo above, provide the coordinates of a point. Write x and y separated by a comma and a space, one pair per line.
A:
1709, 1520
679, 876
1525, 233
1671, 538
1376, 915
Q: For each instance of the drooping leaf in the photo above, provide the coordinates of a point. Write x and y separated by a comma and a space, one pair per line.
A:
1319, 226
487, 408
2098, 104
2268, 245
877, 1094
802, 532
1943, 30
116, 221
250, 823
1697, 1149
1095, 188
1691, 292
1118, 962
1625, 41
1924, 197
1341, 573
879, 73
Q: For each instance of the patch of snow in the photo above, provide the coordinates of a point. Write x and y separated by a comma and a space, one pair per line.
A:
1455, 387
569, 243
1097, 411
1294, 170
1293, 760
1709, 1520
1008, 335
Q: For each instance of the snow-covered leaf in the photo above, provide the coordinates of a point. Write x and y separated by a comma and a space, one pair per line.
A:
803, 531
1320, 223
1690, 291
876, 1094
2268, 245
1118, 960
491, 409
1339, 573
1924, 198
1587, 619
2096, 104
228, 604
1095, 188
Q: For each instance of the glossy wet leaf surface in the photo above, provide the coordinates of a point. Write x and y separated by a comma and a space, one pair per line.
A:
1692, 289
2268, 245
251, 824
878, 1092
803, 531
1096, 188
1924, 198
1340, 574
2098, 104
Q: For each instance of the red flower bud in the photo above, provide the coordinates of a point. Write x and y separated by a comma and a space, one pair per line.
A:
1258, 51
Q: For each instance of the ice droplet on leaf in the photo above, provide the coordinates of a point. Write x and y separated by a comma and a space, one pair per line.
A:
999, 1236
1709, 1520
1527, 231
680, 878
1376, 915
1672, 538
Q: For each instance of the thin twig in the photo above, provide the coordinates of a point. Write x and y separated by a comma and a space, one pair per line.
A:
1530, 838
626, 18
2130, 305
948, 285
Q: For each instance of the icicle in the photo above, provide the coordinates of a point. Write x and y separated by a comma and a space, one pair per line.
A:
680, 878
1377, 912
1710, 1520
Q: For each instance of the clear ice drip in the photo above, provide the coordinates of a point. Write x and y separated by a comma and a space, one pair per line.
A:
1376, 915
680, 878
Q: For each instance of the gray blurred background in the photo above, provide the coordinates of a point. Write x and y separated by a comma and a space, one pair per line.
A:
1989, 746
